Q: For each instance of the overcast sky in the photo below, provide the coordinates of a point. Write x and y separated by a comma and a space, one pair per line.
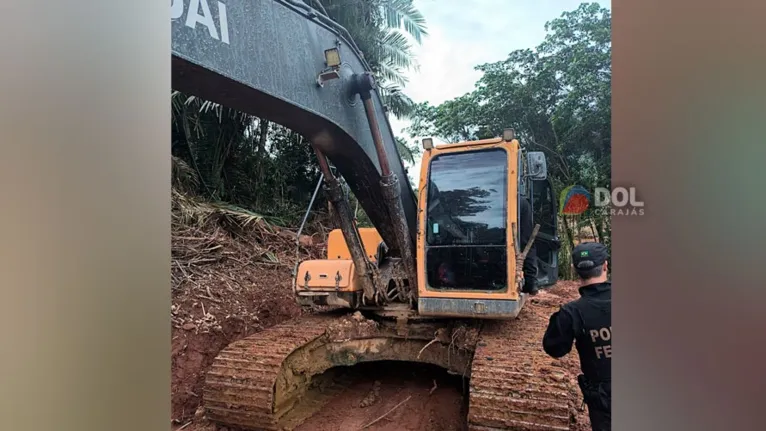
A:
463, 34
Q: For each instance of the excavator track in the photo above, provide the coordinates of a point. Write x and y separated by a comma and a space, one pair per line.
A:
243, 385
514, 384
256, 382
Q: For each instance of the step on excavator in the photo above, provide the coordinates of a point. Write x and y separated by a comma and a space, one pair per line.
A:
437, 280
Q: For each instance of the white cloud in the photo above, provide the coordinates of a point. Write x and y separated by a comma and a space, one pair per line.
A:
463, 35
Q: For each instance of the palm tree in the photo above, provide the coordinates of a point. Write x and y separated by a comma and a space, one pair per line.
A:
406, 152
380, 29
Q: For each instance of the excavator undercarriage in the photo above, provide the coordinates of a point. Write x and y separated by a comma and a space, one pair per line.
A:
274, 380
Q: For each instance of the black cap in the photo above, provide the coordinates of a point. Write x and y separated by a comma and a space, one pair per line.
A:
589, 255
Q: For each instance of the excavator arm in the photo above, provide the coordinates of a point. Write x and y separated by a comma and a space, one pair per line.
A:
264, 58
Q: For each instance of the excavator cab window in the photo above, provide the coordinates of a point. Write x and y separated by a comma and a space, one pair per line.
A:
466, 220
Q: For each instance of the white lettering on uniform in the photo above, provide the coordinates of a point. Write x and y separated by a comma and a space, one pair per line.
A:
605, 351
604, 334
593, 335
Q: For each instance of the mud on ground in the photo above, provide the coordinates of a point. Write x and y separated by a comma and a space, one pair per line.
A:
394, 396
352, 327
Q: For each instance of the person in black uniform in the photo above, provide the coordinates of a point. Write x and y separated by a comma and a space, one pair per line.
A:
587, 321
526, 226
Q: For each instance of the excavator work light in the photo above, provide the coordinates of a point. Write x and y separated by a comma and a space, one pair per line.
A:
509, 135
332, 57
428, 143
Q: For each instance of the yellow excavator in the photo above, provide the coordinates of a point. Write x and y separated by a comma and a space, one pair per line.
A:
432, 308
437, 280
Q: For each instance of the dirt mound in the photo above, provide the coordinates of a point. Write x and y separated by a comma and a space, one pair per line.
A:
352, 327
231, 277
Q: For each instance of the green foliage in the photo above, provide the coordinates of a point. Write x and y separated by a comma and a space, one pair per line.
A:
242, 160
453, 121
558, 99
380, 29
406, 151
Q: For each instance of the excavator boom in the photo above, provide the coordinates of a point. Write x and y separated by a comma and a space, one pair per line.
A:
264, 58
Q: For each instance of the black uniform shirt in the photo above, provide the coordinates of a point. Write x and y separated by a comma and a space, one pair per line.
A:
588, 322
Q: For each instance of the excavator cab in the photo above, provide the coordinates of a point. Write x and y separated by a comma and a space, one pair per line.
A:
469, 210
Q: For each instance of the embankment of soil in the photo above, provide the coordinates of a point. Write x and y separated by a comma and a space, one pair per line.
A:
231, 277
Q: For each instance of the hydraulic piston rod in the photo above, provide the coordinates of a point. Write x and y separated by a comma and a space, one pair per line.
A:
389, 182
362, 265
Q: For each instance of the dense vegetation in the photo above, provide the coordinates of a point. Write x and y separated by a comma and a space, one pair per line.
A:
557, 96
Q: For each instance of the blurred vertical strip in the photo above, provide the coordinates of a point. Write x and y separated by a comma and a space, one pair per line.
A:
85, 220
687, 94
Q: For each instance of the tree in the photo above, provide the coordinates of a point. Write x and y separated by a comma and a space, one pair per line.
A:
379, 28
453, 121
557, 97
406, 152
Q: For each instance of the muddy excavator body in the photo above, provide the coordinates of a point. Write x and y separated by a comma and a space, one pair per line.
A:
437, 278
466, 245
